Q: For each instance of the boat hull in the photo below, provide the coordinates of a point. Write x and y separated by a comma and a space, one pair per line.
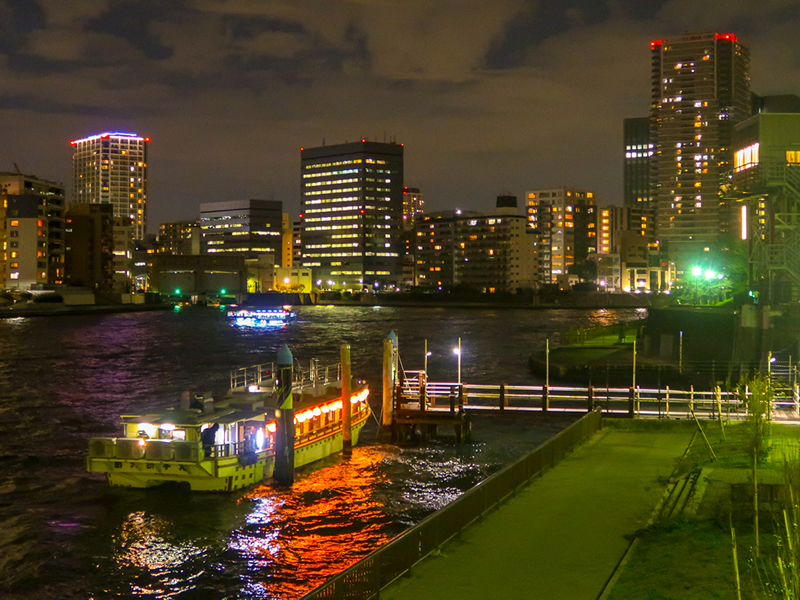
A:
218, 475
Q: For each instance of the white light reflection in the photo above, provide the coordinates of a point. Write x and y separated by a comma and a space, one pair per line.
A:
143, 546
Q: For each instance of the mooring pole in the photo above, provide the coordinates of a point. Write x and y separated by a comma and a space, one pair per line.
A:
284, 434
347, 433
389, 345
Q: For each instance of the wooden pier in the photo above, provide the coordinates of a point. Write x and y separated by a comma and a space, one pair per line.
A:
420, 406
415, 417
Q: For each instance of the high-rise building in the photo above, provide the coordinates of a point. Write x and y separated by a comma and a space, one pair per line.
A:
89, 253
565, 223
637, 191
244, 227
111, 168
31, 231
638, 152
488, 252
700, 91
352, 214
765, 185
413, 205
179, 237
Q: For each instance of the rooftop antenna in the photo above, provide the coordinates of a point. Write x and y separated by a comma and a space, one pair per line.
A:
17, 169
323, 140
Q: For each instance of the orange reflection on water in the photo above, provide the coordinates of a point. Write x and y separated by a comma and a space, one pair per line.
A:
296, 539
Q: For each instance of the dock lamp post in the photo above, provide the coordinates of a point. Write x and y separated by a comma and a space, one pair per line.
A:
457, 351
427, 354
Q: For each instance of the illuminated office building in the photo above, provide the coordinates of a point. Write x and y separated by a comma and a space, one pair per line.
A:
111, 168
244, 227
352, 214
700, 91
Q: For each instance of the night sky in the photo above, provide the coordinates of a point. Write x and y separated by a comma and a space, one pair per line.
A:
487, 96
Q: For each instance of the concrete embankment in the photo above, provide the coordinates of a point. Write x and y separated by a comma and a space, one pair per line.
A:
564, 535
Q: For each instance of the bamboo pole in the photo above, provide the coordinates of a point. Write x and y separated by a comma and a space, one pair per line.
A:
735, 562
755, 504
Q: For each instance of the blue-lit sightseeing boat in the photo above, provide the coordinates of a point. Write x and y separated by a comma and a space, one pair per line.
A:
261, 317
175, 445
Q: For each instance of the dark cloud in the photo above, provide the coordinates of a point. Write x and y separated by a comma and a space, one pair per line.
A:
18, 18
250, 27
131, 21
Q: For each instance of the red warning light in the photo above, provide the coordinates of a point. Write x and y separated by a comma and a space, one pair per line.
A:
362, 211
72, 142
725, 36
364, 141
301, 149
146, 139
655, 43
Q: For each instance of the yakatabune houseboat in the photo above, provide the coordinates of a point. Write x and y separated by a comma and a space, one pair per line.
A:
214, 445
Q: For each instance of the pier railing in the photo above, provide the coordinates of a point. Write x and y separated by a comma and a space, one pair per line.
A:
366, 578
263, 376
633, 402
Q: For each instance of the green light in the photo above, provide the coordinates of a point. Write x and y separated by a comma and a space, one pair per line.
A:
710, 274
696, 271
177, 291
222, 291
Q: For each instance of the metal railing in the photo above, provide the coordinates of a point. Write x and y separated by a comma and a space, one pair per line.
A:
634, 402
366, 578
264, 375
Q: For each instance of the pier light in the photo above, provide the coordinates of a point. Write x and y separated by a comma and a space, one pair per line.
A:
223, 291
457, 352
710, 274
696, 271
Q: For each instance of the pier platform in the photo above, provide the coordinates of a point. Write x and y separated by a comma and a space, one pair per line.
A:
564, 534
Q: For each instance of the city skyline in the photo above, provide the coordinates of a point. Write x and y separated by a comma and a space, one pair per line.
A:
536, 99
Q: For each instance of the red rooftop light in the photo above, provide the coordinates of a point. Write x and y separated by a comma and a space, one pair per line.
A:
726, 36
146, 139
655, 43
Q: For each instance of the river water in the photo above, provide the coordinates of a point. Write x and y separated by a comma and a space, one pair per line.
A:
65, 534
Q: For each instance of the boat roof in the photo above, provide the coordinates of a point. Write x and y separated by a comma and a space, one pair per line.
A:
194, 418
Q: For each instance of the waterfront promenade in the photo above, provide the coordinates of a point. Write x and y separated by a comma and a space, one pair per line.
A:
563, 535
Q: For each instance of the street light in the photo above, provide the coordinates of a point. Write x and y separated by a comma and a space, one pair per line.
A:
457, 351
